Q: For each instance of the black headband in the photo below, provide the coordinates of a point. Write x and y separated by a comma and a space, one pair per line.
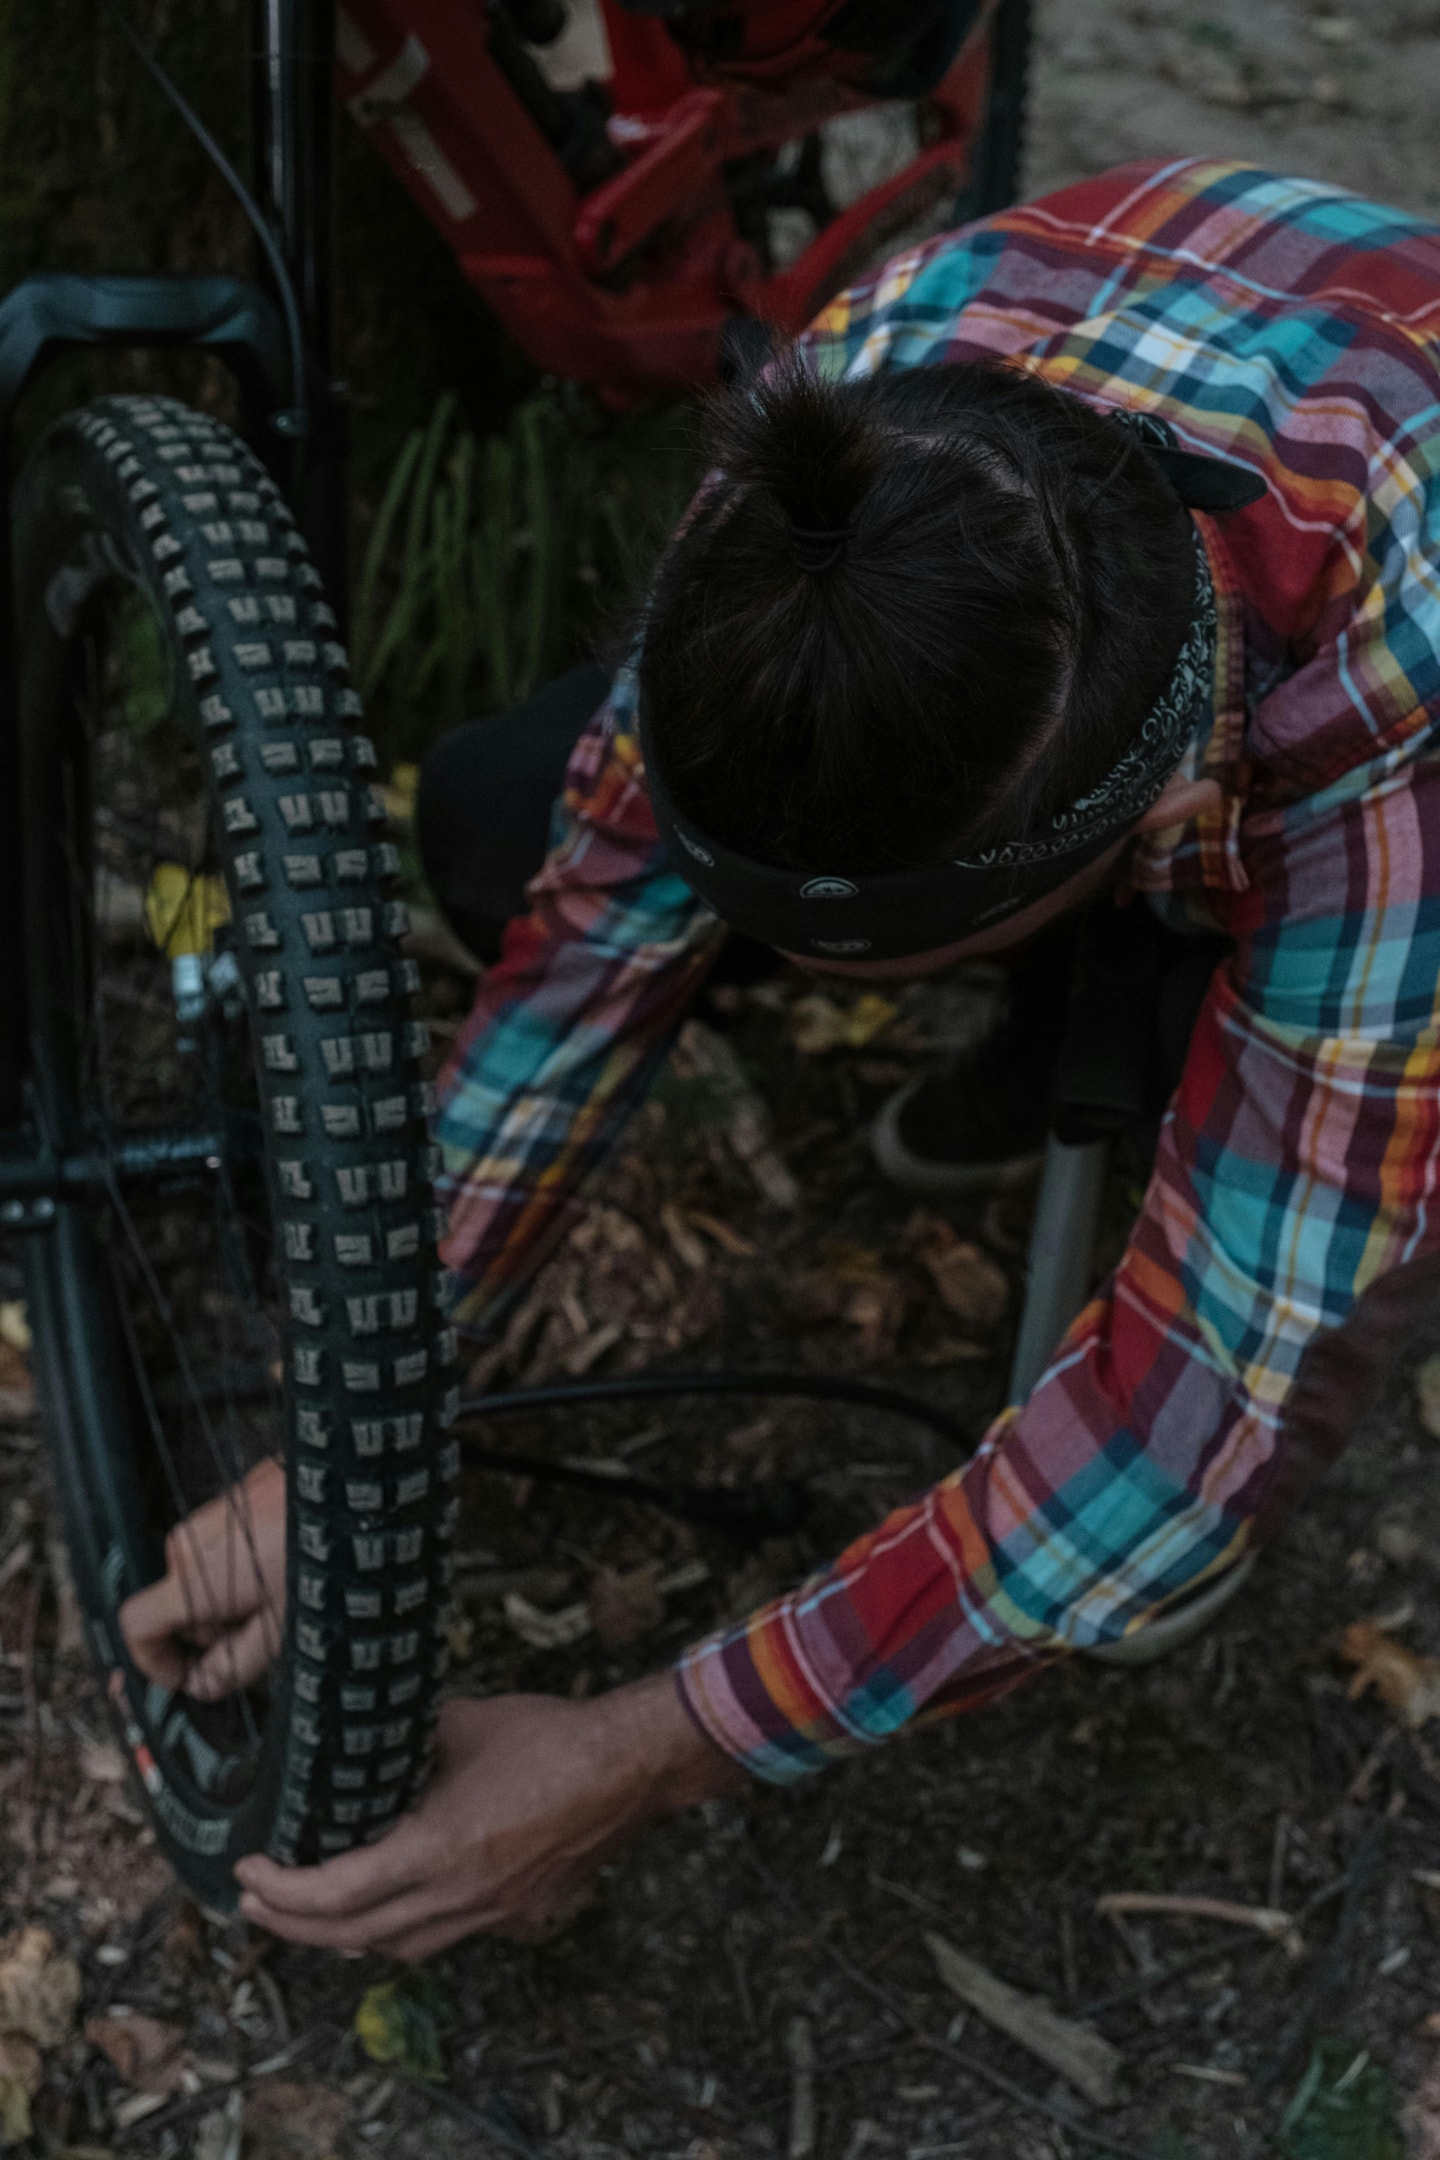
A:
895, 914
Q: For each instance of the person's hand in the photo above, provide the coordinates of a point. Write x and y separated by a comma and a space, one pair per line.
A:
531, 1794
214, 1621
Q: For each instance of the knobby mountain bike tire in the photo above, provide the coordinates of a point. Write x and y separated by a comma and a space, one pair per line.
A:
213, 949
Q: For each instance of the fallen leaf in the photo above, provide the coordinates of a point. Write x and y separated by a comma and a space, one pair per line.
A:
969, 1283
20, 2073
400, 2022
148, 2052
293, 2121
39, 1991
819, 1024
623, 1606
877, 1312
967, 1280
1405, 1681
1427, 1395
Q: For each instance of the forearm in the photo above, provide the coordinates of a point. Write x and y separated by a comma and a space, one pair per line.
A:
653, 1750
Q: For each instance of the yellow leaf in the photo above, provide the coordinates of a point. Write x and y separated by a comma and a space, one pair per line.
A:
183, 911
39, 1992
398, 793
818, 1023
398, 2022
868, 1017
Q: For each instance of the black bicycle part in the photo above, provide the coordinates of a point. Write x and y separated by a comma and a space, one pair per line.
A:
998, 161
292, 107
293, 45
310, 1248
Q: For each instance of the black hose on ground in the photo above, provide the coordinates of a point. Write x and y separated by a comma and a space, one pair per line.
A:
773, 1510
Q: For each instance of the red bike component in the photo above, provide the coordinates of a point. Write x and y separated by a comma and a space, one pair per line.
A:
628, 284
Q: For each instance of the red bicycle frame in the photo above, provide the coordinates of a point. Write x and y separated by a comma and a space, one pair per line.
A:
629, 285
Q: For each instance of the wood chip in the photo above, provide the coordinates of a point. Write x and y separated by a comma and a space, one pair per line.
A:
546, 1630
689, 1250
747, 1119
1083, 2057
800, 2047
729, 1240
592, 1347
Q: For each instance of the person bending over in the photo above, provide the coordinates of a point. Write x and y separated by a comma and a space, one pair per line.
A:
1094, 544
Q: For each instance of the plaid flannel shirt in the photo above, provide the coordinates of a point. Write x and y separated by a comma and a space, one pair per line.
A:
1291, 327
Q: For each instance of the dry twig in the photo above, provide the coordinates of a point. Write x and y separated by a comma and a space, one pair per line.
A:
1277, 1926
973, 2065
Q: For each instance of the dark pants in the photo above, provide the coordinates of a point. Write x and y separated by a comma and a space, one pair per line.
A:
482, 815
487, 792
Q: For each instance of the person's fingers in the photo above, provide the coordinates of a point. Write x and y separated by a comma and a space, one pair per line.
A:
234, 1660
150, 1622
373, 1928
354, 1882
348, 1937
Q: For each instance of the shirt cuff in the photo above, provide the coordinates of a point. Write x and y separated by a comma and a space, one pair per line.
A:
746, 1690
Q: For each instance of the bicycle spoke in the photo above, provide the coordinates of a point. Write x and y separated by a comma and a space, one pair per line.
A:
144, 808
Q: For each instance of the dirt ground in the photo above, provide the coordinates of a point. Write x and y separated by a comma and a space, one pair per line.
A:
755, 1980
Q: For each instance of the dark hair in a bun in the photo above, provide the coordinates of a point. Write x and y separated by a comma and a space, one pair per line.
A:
910, 615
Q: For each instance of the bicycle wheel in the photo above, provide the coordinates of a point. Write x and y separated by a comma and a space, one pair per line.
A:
220, 1028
